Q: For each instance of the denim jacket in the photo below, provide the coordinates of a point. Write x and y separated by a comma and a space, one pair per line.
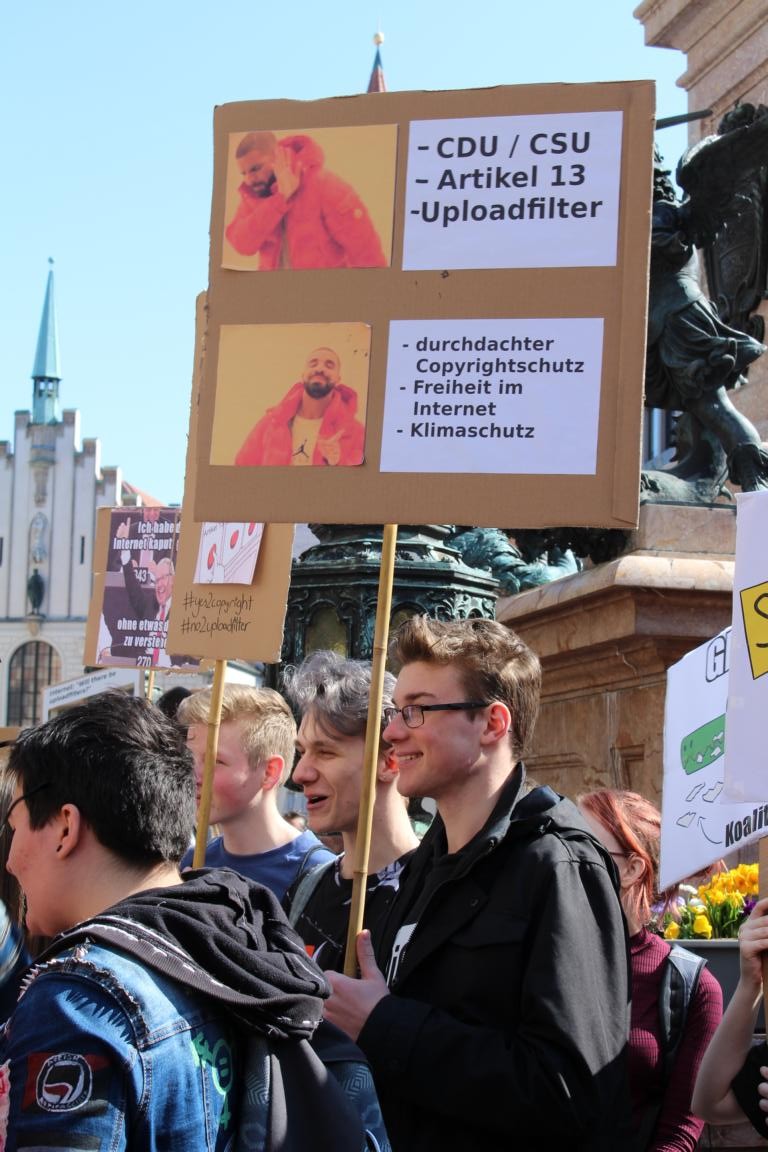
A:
101, 1053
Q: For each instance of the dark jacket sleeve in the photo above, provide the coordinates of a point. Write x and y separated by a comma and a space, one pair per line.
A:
745, 1087
560, 1070
143, 603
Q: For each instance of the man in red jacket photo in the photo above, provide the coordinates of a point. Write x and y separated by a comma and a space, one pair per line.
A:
294, 213
315, 422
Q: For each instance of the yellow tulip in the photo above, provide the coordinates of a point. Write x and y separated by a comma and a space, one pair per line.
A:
702, 926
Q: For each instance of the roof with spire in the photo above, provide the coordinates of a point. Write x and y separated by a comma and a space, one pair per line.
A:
46, 370
377, 82
46, 365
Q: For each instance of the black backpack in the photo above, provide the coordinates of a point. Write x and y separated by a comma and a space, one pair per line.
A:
316, 1094
295, 1094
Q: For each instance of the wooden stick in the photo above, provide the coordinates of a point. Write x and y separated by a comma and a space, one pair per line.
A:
762, 875
371, 755
150, 684
214, 721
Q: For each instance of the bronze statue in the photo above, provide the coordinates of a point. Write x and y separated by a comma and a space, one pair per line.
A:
737, 259
693, 357
529, 559
35, 592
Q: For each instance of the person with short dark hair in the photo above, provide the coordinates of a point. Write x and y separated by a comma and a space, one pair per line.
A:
315, 423
494, 1011
129, 1029
294, 213
168, 701
332, 695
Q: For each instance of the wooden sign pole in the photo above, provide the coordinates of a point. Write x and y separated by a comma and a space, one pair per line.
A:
371, 755
204, 807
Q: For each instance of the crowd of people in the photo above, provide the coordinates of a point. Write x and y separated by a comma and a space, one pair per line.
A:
510, 992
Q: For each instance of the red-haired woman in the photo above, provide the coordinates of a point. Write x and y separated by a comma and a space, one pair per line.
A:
630, 828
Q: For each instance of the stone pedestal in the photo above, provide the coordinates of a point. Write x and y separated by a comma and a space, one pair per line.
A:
607, 636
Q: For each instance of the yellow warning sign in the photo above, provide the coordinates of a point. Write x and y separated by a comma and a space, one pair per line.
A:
754, 609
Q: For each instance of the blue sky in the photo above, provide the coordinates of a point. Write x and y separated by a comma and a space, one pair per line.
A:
108, 162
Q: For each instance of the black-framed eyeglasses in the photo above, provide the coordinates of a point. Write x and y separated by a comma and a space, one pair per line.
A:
413, 714
4, 825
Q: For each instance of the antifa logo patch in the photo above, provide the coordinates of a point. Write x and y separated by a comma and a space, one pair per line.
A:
61, 1082
65, 1082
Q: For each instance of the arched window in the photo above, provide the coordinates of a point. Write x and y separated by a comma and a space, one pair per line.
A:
326, 630
32, 667
400, 615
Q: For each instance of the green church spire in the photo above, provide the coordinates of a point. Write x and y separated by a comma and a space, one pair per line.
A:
46, 372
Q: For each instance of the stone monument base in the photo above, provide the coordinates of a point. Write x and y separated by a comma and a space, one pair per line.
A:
606, 637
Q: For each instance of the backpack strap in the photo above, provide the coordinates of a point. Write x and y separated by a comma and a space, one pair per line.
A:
678, 987
304, 888
679, 982
305, 866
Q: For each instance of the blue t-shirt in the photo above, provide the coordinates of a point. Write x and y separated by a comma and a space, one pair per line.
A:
276, 869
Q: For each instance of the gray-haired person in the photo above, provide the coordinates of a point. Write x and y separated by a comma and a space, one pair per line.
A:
331, 695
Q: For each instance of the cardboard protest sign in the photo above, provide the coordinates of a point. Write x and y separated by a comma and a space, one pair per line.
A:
234, 621
748, 686
697, 826
505, 323
69, 692
220, 619
135, 562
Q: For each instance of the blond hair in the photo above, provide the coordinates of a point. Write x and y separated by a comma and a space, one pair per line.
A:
267, 726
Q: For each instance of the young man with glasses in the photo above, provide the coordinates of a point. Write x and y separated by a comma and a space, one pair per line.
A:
494, 1011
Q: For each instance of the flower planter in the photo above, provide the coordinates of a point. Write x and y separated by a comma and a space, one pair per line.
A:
722, 957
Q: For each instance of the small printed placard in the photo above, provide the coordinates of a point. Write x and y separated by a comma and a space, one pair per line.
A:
513, 191
493, 396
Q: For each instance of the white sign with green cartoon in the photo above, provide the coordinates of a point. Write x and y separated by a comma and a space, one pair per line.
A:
697, 828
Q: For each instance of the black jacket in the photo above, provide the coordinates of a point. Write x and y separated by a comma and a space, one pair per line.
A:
509, 1021
224, 937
